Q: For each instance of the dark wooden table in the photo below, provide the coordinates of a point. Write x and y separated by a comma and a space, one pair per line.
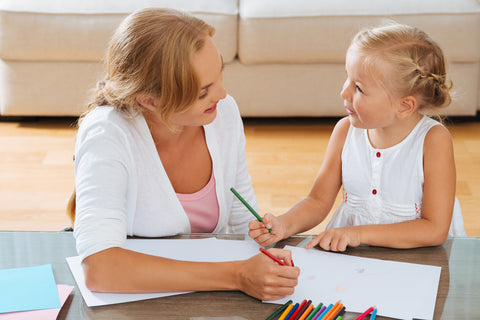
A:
458, 293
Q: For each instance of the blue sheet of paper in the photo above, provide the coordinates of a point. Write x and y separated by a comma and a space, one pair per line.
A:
30, 288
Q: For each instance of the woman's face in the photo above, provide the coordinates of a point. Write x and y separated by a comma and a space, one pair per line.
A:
209, 67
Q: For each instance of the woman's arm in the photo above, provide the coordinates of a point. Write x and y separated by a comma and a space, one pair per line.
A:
120, 270
437, 206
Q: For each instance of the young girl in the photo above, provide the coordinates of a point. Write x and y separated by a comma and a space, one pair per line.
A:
155, 156
396, 164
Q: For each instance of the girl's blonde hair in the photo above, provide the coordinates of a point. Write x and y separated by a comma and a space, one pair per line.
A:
419, 66
151, 52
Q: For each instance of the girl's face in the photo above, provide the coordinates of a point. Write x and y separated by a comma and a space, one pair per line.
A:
365, 99
209, 67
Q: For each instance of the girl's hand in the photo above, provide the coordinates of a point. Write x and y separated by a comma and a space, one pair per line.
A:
264, 279
336, 239
259, 230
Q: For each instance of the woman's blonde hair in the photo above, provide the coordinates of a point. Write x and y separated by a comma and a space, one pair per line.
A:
419, 65
151, 52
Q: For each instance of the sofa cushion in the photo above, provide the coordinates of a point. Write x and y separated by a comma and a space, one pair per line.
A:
47, 88
73, 30
312, 31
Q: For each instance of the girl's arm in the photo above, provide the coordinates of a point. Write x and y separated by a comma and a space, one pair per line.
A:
120, 270
313, 209
437, 206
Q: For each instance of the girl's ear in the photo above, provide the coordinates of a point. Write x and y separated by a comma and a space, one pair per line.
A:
147, 101
408, 105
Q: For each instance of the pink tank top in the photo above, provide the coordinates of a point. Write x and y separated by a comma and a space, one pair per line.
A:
201, 208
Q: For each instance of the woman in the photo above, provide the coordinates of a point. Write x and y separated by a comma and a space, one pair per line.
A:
155, 156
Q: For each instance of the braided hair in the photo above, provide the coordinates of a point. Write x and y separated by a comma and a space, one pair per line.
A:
418, 62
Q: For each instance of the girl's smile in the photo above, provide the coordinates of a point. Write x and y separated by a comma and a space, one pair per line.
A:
349, 111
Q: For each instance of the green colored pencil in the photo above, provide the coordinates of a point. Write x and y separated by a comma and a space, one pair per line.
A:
314, 312
248, 206
279, 310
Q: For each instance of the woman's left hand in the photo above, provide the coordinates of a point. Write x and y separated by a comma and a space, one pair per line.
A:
336, 239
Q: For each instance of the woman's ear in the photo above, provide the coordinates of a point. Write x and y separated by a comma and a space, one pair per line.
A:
408, 105
147, 101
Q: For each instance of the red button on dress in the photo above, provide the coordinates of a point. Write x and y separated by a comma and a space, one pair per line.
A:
374, 191
378, 154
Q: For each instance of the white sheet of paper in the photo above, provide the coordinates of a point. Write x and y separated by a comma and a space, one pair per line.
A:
397, 289
207, 250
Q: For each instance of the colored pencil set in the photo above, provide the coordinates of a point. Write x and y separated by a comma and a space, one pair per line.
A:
307, 311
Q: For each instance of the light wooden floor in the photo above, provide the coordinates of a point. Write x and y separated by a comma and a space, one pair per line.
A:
284, 155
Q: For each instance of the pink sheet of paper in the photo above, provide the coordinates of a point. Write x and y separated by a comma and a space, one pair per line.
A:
45, 314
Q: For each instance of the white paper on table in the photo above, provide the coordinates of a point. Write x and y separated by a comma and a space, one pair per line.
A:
398, 290
201, 250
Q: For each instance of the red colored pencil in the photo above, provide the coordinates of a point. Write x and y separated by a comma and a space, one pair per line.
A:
363, 315
271, 256
299, 309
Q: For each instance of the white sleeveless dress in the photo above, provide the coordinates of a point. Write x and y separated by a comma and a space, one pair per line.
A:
382, 186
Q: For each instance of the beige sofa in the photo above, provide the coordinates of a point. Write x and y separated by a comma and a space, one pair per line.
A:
283, 57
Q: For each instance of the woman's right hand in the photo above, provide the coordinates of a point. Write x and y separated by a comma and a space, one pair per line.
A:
264, 279
258, 231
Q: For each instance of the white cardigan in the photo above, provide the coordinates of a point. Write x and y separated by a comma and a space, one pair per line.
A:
123, 189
